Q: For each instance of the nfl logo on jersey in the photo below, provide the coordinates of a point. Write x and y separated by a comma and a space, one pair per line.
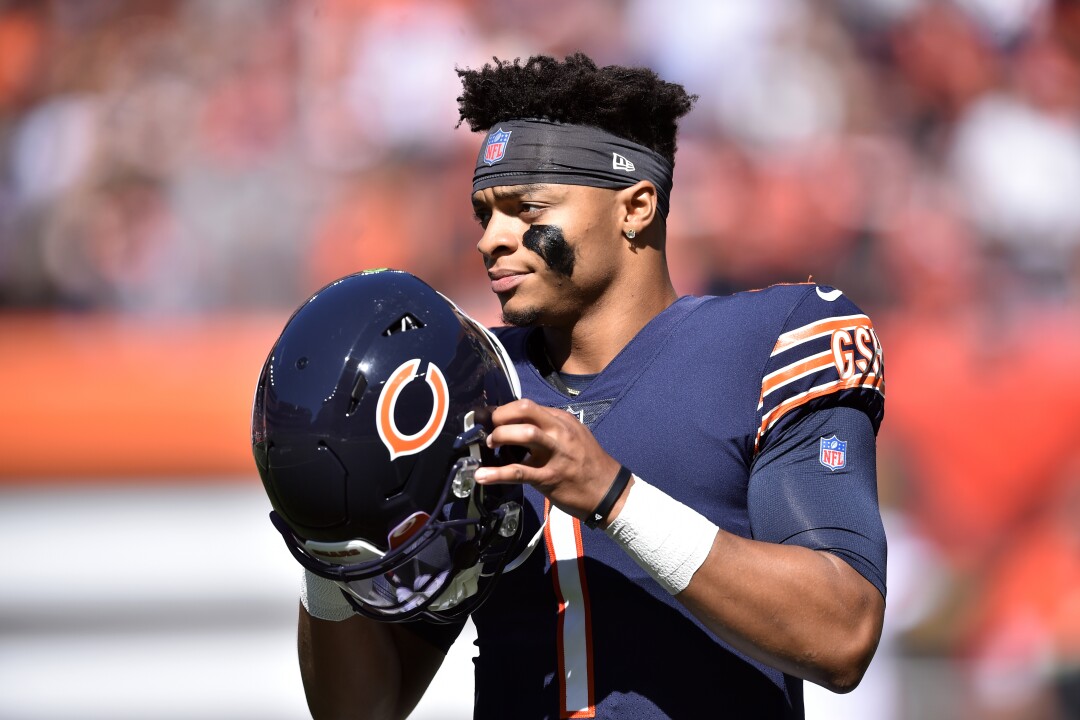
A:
833, 454
495, 150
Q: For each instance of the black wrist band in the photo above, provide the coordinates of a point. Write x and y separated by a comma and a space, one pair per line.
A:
619, 484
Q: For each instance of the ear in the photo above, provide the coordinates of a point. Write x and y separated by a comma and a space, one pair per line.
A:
638, 207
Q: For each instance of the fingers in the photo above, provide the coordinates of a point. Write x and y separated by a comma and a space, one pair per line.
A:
525, 411
533, 445
565, 462
534, 427
517, 474
539, 430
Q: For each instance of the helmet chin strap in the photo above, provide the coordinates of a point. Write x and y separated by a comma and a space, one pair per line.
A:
527, 551
464, 585
467, 582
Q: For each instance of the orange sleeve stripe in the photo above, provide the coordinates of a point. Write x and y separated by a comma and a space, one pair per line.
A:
807, 332
806, 367
871, 380
795, 370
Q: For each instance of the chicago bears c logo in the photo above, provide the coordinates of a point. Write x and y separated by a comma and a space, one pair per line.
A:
396, 442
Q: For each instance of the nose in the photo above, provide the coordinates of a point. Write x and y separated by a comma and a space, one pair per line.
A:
501, 237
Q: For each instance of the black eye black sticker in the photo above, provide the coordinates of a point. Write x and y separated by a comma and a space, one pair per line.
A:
548, 242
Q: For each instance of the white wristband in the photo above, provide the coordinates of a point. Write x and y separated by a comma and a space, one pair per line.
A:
322, 598
668, 539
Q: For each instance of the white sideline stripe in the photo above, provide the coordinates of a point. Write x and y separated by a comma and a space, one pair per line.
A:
78, 555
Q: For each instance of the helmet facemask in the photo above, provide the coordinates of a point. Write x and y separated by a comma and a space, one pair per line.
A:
440, 567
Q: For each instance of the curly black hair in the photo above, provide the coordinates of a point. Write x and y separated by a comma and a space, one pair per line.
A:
631, 102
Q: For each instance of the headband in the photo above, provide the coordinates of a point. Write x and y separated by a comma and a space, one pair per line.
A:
521, 152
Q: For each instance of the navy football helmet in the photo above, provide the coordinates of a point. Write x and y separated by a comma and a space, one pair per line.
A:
367, 426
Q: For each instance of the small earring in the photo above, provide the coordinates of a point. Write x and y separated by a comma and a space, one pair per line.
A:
631, 234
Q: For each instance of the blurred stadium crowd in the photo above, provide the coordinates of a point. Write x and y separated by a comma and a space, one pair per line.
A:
198, 156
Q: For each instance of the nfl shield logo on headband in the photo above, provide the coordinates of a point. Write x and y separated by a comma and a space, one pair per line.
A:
495, 150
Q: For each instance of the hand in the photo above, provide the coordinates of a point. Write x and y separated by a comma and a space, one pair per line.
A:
565, 462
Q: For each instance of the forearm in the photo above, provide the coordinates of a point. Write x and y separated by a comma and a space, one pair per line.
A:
353, 668
349, 668
802, 611
805, 612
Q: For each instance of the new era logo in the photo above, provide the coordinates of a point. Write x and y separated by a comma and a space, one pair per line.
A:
618, 162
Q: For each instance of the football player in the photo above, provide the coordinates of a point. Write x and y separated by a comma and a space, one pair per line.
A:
700, 471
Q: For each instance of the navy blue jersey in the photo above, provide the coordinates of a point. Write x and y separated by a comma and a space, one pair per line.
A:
759, 410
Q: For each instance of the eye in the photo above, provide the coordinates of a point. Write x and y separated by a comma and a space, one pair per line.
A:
482, 216
531, 209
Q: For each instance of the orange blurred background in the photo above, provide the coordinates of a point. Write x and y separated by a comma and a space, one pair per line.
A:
110, 398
